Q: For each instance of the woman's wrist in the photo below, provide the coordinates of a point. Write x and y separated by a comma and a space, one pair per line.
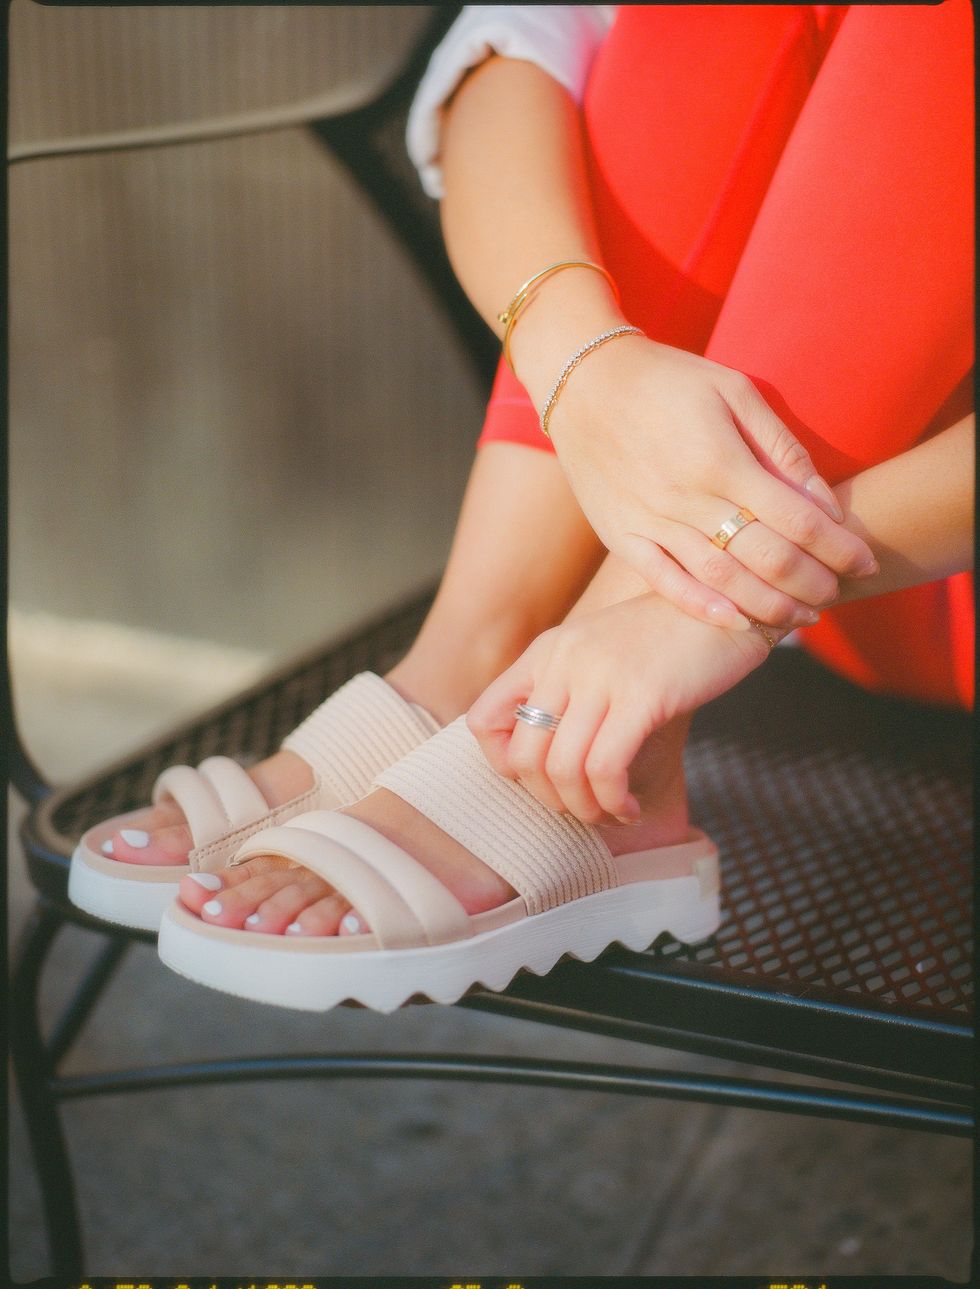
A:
759, 640
915, 511
566, 311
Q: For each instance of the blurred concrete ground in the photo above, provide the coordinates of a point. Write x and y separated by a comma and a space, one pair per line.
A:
375, 1178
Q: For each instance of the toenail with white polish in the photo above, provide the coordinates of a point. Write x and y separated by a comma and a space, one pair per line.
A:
294, 928
253, 919
210, 881
212, 908
135, 837
107, 847
351, 923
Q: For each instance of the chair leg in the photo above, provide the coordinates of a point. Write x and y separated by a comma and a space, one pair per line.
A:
33, 1072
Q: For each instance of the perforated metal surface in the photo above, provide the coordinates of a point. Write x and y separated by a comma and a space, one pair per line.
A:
843, 821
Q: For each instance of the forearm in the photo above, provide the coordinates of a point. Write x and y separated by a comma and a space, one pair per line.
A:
916, 513
517, 199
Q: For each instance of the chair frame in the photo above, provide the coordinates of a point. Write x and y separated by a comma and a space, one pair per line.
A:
913, 1066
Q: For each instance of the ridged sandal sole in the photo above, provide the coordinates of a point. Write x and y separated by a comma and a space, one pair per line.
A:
317, 973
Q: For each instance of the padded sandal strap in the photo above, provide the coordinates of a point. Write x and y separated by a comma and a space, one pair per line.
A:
216, 798
391, 918
199, 801
548, 858
362, 728
241, 799
440, 913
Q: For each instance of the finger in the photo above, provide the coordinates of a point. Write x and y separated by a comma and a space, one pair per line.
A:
779, 563
614, 748
777, 448
666, 576
491, 718
724, 570
790, 515
565, 763
530, 744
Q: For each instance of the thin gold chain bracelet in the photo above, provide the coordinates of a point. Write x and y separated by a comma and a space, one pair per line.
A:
764, 633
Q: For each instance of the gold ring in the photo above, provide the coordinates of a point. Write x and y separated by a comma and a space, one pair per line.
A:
731, 526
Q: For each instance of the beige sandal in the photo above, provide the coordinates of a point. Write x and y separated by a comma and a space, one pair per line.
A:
574, 897
360, 730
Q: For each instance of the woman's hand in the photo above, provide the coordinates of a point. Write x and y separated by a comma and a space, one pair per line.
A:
662, 446
613, 676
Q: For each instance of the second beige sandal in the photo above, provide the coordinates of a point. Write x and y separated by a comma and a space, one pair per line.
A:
359, 730
573, 896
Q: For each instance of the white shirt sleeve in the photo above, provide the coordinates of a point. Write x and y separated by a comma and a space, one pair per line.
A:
561, 39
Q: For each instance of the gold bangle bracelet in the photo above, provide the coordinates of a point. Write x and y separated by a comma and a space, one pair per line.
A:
509, 315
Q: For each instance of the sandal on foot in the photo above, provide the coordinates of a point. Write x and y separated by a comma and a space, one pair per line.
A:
574, 897
358, 731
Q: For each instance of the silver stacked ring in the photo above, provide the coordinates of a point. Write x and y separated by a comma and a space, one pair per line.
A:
535, 716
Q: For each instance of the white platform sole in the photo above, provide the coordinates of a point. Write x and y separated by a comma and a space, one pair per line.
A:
126, 901
291, 972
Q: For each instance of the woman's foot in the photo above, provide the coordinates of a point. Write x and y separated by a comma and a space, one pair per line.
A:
443, 685
267, 895
159, 835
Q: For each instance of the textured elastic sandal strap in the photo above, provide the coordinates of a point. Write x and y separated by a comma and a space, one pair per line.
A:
205, 815
548, 858
359, 731
240, 798
392, 921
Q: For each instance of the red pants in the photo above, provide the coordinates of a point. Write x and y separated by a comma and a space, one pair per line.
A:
789, 190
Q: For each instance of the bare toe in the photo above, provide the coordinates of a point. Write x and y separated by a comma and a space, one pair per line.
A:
198, 889
266, 902
134, 845
281, 910
329, 916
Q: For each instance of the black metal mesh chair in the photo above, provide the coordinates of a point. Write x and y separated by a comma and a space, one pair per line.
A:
843, 821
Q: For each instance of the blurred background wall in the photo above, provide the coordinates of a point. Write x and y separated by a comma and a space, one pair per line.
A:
235, 414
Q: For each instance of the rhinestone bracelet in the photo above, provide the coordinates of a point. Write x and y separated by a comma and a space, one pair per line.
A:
573, 362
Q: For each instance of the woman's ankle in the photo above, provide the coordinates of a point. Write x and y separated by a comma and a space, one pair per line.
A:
446, 672
667, 824
658, 782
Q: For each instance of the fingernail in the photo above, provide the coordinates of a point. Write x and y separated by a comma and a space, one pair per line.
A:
253, 919
294, 928
869, 569
210, 881
806, 617
822, 493
723, 615
212, 908
135, 837
351, 923
107, 847
631, 811
630, 823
